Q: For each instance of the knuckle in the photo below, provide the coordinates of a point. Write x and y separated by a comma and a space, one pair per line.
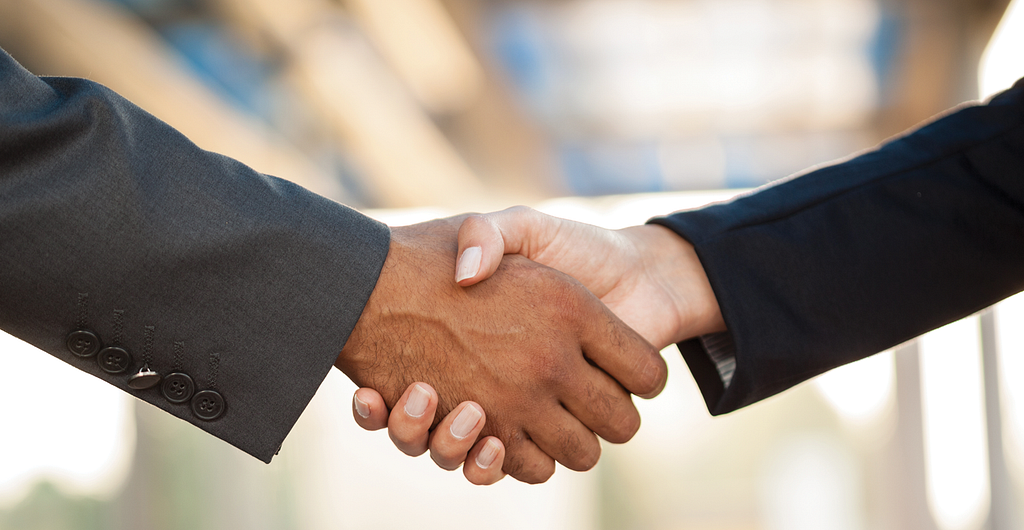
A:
410, 449
624, 427
651, 375
535, 472
579, 453
618, 419
406, 443
521, 210
520, 466
478, 480
446, 454
512, 466
475, 222
588, 459
445, 462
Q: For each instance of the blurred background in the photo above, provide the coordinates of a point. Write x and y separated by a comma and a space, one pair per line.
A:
605, 111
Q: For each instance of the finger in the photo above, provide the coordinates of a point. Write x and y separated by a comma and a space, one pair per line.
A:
484, 239
452, 439
480, 250
409, 423
369, 409
620, 351
483, 465
526, 462
568, 441
601, 404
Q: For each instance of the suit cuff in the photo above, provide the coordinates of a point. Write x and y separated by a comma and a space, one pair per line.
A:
722, 352
712, 362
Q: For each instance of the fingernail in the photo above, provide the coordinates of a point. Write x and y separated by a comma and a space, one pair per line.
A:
362, 409
469, 264
488, 454
465, 421
417, 402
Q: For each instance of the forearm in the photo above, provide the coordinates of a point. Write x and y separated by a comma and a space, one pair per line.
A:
852, 259
672, 265
192, 262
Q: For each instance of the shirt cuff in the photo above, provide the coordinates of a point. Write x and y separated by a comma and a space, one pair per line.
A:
722, 352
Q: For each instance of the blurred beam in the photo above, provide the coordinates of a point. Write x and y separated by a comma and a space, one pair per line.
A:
498, 136
407, 157
1001, 513
941, 42
98, 41
430, 46
426, 50
981, 17
404, 157
909, 488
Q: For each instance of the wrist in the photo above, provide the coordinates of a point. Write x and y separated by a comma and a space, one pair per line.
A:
359, 354
673, 264
415, 272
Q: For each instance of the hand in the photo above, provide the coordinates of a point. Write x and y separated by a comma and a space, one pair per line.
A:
531, 345
452, 442
647, 275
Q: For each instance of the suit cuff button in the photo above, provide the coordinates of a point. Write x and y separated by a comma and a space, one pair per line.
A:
178, 387
114, 360
208, 405
82, 343
145, 379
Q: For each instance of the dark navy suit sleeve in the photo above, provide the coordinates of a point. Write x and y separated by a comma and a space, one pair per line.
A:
115, 225
852, 259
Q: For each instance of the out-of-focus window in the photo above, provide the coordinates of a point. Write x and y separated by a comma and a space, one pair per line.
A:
655, 95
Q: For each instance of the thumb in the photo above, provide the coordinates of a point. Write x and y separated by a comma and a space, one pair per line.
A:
481, 246
484, 239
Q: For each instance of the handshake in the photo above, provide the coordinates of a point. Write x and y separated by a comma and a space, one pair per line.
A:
548, 325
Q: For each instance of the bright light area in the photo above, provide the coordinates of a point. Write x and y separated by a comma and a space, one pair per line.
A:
1010, 332
1003, 61
860, 391
344, 477
648, 65
60, 425
627, 210
956, 456
812, 482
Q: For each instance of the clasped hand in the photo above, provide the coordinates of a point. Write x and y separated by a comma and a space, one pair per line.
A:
551, 363
647, 276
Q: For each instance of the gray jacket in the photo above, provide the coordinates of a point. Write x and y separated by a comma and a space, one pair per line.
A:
124, 248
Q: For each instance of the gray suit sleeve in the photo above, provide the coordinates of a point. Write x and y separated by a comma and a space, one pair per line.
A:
177, 260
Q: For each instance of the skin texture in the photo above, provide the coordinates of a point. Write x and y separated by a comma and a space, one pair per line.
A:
413, 436
533, 346
647, 275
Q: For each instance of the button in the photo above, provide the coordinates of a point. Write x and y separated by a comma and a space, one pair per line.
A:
208, 405
114, 360
83, 343
146, 378
178, 387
